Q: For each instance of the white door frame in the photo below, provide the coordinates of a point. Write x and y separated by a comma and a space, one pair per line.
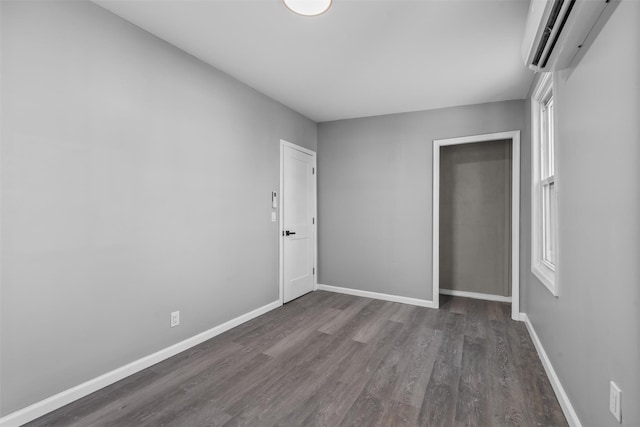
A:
314, 228
514, 136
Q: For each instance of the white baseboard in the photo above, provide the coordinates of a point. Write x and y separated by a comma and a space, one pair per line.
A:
563, 399
376, 295
63, 398
475, 295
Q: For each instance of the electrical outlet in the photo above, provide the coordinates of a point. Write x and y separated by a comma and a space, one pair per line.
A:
175, 318
615, 399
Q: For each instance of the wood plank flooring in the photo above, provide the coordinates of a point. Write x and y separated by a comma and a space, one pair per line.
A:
329, 359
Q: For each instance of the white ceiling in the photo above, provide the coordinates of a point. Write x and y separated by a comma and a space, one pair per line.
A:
362, 58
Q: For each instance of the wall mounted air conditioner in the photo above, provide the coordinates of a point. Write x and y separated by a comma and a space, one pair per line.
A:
557, 29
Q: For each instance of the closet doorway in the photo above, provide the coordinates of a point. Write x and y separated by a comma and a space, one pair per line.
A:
476, 217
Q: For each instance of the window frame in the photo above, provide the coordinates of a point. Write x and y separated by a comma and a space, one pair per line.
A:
544, 184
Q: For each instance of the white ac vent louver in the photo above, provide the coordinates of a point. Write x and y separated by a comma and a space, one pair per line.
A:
557, 29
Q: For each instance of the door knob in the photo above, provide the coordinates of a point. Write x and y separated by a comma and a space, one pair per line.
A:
289, 233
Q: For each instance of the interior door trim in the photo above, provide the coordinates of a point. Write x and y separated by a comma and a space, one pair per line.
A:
314, 227
514, 136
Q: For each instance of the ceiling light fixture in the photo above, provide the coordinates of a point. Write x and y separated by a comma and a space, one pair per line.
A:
308, 7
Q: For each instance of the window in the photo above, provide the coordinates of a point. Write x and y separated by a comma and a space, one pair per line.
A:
544, 251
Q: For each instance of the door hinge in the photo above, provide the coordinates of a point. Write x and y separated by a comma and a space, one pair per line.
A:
313, 220
313, 170
314, 271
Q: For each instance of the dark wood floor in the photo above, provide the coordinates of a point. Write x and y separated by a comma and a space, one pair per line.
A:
331, 359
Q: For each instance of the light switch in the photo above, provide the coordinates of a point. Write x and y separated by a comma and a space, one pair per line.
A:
273, 217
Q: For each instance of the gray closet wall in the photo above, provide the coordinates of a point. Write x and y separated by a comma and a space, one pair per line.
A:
475, 217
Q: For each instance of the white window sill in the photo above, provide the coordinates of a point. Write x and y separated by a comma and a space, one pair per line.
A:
546, 276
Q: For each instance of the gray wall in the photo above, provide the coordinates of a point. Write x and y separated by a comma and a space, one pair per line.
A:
375, 191
591, 332
475, 217
136, 181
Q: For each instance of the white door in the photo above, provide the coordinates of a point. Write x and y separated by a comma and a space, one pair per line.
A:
298, 221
